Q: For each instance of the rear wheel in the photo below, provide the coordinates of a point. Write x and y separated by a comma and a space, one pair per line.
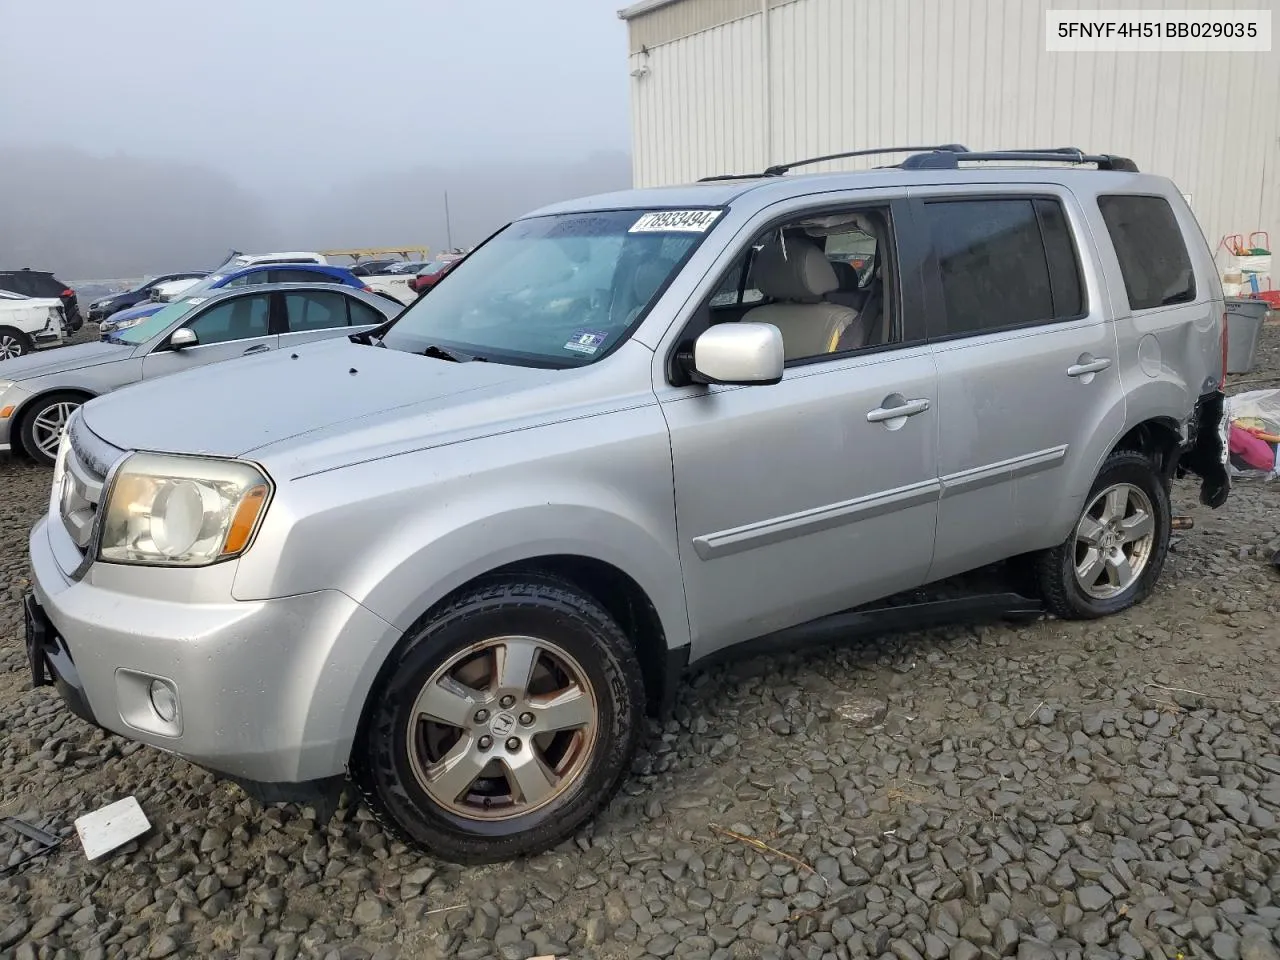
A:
1115, 554
503, 723
14, 343
43, 423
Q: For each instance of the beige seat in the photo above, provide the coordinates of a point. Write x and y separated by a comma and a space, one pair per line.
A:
796, 274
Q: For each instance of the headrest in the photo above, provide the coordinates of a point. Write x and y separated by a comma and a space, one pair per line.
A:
793, 269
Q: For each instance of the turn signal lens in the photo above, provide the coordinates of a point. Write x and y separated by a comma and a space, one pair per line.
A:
7, 412
245, 519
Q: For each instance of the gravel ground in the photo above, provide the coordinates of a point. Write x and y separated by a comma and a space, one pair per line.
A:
1066, 790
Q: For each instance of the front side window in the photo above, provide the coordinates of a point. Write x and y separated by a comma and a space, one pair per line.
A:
825, 281
240, 319
1003, 263
1153, 257
555, 291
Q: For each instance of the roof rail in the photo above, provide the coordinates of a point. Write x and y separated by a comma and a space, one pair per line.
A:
778, 169
942, 158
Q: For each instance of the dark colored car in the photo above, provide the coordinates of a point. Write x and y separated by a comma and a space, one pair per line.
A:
430, 275
41, 283
104, 307
370, 268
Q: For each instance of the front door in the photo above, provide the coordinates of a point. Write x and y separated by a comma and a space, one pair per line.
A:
226, 329
819, 493
1030, 392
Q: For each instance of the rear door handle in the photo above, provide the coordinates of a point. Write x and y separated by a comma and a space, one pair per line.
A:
1093, 366
909, 408
258, 348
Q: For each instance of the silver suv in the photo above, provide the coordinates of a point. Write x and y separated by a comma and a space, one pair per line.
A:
457, 557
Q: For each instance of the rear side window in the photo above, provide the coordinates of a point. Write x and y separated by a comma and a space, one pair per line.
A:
1004, 263
1153, 257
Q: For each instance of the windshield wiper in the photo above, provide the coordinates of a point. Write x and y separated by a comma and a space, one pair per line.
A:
440, 353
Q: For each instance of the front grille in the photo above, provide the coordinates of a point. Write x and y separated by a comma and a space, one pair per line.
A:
85, 471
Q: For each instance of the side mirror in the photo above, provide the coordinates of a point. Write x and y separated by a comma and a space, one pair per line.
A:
183, 337
738, 353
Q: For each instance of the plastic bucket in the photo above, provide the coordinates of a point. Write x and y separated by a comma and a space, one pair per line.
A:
1244, 326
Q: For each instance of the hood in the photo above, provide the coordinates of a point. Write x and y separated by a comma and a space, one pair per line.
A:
142, 310
63, 359
324, 405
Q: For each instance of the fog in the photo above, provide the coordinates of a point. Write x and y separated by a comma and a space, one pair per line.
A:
144, 135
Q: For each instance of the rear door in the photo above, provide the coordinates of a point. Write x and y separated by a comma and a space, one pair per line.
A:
322, 314
1030, 393
227, 329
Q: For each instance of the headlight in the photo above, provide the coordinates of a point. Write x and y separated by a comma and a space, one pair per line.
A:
182, 511
126, 323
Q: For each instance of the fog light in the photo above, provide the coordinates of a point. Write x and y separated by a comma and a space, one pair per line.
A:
164, 700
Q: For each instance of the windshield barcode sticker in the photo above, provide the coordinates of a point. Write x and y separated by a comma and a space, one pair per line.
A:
675, 221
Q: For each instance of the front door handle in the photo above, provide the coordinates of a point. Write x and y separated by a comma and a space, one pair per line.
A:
908, 408
257, 348
1091, 366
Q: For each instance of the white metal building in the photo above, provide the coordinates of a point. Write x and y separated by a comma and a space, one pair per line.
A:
730, 86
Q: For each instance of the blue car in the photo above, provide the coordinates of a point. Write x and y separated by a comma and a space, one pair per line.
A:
244, 277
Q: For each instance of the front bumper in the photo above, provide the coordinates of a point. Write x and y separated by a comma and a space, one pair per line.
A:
267, 691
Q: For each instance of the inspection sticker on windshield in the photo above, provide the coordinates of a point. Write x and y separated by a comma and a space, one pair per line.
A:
675, 221
586, 341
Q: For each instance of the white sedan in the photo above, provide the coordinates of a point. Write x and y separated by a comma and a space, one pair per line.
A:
26, 322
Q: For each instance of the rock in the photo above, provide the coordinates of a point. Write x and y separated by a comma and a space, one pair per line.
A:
964, 950
1225, 946
1092, 897
1258, 948
368, 912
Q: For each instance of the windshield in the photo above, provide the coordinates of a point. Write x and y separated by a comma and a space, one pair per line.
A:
557, 291
152, 325
410, 266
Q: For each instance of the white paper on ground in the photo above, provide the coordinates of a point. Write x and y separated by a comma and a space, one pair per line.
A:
111, 826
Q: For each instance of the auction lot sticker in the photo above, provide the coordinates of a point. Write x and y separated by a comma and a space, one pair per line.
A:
675, 221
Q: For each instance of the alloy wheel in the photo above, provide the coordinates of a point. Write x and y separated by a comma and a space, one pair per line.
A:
10, 347
1114, 541
47, 427
502, 728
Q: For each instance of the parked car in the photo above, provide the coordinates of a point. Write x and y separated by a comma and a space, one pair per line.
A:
371, 268
431, 274
40, 283
242, 277
38, 394
26, 322
164, 292
395, 281
104, 307
460, 555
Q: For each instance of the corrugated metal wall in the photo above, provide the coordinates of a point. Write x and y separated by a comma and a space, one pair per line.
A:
846, 74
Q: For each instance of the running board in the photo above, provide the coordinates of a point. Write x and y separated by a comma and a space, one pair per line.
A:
865, 622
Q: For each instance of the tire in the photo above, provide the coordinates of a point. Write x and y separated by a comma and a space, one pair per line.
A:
1077, 581
397, 761
39, 421
14, 343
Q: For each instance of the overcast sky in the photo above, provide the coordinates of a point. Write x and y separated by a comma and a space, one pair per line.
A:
312, 91
138, 136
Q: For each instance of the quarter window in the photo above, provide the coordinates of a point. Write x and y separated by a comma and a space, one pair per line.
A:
1149, 246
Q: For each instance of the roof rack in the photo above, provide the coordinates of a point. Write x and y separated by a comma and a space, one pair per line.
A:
944, 158
778, 169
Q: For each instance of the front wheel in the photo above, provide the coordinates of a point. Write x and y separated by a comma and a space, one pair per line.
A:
43, 423
14, 343
503, 723
1114, 556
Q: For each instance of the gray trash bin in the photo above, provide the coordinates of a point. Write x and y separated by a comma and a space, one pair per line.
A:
1244, 325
